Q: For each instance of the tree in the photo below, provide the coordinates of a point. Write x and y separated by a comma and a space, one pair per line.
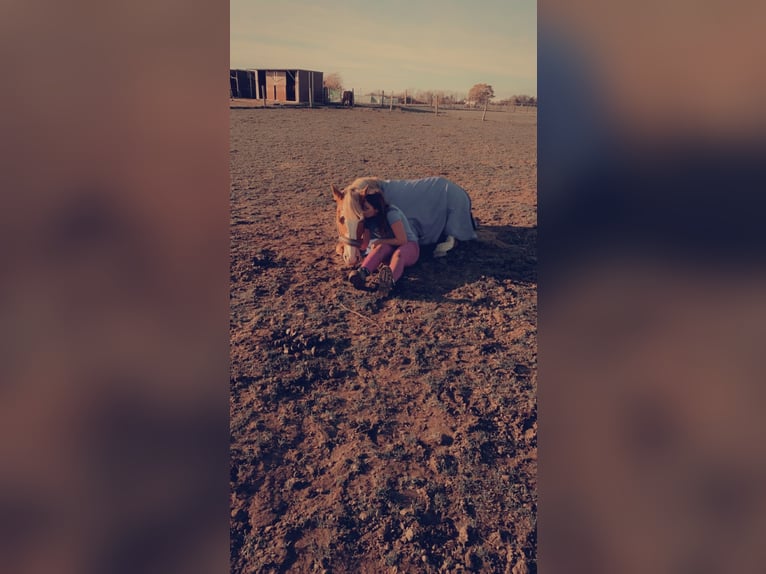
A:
425, 96
481, 93
522, 100
333, 81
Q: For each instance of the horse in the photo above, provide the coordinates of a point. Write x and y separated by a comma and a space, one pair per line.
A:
437, 209
347, 98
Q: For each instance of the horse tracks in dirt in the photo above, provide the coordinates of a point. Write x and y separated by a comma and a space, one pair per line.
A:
373, 434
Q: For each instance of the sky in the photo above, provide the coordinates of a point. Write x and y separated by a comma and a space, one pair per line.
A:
397, 45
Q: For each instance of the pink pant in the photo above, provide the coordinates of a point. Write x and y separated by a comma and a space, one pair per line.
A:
401, 257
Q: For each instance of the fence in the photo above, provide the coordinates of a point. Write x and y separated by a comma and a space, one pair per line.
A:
332, 96
391, 100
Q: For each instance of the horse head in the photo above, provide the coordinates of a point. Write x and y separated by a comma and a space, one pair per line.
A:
349, 221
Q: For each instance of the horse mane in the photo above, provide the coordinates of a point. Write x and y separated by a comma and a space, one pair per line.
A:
351, 203
372, 183
352, 199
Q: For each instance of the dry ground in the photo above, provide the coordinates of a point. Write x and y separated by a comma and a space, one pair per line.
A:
381, 435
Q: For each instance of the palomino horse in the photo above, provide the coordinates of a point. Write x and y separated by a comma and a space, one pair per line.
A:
436, 208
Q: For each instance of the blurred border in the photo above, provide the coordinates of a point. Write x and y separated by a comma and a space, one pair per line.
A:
651, 133
114, 297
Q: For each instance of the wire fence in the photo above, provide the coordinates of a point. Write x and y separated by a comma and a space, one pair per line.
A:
393, 100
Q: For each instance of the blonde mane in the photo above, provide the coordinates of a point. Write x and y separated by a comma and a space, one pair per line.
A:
351, 204
351, 199
373, 184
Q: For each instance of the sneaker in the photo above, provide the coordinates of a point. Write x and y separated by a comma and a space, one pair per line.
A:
357, 277
385, 280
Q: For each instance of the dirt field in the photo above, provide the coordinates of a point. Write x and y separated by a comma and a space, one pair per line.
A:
382, 435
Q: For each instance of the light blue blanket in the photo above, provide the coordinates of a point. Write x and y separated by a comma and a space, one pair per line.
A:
434, 206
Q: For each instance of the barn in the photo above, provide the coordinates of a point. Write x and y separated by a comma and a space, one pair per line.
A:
285, 85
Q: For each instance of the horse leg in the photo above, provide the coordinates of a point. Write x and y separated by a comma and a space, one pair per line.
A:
442, 248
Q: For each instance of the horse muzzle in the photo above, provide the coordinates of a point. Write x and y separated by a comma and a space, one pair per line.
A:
351, 253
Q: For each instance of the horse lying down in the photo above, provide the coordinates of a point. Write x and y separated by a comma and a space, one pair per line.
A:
436, 207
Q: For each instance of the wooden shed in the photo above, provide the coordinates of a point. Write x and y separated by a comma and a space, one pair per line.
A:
243, 84
293, 85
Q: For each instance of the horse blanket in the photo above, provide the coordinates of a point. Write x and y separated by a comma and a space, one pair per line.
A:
434, 206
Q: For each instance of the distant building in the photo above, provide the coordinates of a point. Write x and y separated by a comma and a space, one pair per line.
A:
242, 84
298, 86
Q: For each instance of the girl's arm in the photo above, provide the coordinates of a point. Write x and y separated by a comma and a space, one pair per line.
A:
365, 239
400, 235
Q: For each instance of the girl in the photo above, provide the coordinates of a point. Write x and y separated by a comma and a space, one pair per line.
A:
392, 240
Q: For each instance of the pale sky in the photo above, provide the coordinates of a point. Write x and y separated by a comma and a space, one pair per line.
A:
395, 45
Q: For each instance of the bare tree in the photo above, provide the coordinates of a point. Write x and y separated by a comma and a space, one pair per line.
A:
481, 93
333, 81
425, 96
522, 100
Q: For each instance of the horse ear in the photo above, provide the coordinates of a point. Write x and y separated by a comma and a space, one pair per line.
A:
363, 191
336, 193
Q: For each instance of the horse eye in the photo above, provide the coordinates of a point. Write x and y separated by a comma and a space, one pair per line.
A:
342, 219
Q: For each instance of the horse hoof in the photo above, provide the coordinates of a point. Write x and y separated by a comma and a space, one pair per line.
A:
442, 248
